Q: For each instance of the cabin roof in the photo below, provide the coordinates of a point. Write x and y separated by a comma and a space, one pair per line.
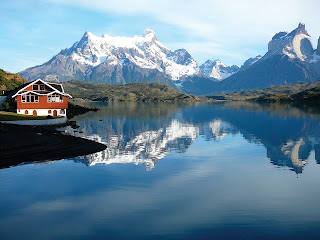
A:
56, 87
13, 92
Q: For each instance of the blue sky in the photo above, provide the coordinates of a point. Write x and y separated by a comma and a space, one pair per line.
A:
33, 31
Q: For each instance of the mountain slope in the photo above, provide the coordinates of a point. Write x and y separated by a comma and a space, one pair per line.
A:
273, 71
137, 92
9, 81
249, 62
117, 60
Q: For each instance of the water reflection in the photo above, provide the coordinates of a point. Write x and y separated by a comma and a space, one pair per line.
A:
143, 134
146, 148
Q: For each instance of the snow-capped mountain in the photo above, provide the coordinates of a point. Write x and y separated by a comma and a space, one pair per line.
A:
290, 59
117, 60
250, 61
296, 44
218, 70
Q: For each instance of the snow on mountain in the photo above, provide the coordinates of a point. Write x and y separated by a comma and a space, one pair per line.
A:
218, 70
296, 44
250, 61
144, 51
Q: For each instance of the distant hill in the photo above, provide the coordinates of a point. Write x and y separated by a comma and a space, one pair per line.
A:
136, 92
300, 92
10, 81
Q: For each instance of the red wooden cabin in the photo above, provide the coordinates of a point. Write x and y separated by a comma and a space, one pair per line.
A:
40, 98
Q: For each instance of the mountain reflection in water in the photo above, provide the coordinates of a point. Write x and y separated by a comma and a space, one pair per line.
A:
145, 133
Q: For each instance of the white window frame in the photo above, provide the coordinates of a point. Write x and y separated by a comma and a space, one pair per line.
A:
53, 98
27, 98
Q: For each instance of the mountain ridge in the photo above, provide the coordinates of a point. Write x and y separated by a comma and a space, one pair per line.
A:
290, 58
111, 60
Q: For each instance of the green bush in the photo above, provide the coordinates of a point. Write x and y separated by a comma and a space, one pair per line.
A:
5, 105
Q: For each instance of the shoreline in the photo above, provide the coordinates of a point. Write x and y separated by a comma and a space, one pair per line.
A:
26, 144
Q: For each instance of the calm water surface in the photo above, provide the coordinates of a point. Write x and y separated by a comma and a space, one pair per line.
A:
204, 171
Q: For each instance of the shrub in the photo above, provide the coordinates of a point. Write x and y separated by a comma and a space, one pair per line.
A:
5, 105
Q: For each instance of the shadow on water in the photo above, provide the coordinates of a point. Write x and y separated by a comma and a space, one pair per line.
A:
25, 144
145, 133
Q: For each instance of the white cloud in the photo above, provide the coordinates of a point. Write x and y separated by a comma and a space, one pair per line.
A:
211, 18
224, 25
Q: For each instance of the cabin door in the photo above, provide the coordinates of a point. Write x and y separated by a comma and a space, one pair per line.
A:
55, 113
34, 113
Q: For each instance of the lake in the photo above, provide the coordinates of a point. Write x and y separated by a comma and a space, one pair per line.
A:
174, 171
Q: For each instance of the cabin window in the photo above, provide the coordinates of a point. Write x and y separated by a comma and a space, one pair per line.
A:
37, 87
55, 98
62, 111
29, 98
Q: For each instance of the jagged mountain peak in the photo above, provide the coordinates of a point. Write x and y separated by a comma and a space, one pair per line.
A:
181, 56
112, 59
84, 40
279, 35
88, 34
217, 69
301, 29
250, 62
150, 34
213, 62
296, 44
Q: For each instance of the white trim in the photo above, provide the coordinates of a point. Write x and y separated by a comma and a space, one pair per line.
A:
25, 100
25, 93
35, 81
53, 88
62, 88
40, 94
59, 95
